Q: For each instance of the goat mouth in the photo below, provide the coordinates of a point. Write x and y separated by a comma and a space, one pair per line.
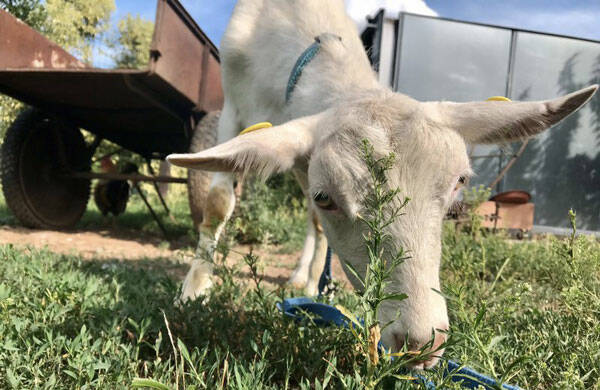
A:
429, 357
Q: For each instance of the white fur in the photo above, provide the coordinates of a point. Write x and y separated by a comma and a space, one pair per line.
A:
336, 104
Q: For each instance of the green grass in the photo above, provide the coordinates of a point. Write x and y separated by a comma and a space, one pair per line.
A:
272, 212
524, 312
527, 312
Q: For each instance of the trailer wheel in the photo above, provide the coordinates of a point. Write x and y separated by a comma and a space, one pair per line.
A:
37, 149
204, 137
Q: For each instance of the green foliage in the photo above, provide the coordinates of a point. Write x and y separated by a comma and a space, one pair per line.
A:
523, 312
526, 312
472, 199
132, 44
9, 109
31, 12
75, 24
68, 324
475, 196
272, 212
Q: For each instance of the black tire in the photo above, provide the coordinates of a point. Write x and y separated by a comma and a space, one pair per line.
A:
204, 137
34, 189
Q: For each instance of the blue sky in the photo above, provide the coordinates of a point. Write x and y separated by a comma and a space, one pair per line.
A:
579, 18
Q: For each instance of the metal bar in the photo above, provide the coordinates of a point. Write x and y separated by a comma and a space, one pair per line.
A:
510, 163
160, 225
155, 184
123, 176
508, 94
193, 27
502, 27
486, 156
398, 55
511, 63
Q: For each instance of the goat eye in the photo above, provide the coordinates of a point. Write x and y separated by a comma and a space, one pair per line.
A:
323, 201
461, 182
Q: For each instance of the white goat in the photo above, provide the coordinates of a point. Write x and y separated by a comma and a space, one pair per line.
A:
336, 104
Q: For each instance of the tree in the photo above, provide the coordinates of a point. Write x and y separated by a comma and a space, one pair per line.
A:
31, 12
75, 24
132, 44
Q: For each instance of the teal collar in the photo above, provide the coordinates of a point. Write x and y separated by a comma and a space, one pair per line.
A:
305, 58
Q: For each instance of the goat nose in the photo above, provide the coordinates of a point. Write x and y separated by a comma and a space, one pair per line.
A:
434, 352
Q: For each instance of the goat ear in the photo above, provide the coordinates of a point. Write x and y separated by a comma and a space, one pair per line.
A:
497, 122
264, 151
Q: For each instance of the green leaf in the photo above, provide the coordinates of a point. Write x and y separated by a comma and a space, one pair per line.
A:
495, 340
4, 291
70, 373
12, 380
405, 377
395, 297
354, 272
151, 383
349, 315
184, 351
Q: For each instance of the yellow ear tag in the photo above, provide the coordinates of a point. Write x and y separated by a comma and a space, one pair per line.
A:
498, 99
258, 126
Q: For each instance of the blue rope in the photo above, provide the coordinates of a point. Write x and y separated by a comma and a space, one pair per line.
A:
305, 58
325, 315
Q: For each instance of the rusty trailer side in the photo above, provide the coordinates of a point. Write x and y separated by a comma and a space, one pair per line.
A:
150, 112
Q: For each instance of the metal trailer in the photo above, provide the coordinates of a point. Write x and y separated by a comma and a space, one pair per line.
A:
46, 163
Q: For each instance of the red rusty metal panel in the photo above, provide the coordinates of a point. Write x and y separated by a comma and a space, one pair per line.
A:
179, 55
108, 103
23, 47
211, 91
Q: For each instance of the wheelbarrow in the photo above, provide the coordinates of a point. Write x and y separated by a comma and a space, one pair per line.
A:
46, 162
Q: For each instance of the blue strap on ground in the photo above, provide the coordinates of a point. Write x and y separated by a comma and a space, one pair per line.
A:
324, 315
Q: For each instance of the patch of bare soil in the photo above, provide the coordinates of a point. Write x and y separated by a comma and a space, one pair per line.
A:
129, 246
101, 244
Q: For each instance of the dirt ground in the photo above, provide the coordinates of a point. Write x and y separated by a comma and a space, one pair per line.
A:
129, 246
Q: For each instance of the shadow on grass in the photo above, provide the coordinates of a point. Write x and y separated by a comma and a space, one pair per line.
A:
235, 321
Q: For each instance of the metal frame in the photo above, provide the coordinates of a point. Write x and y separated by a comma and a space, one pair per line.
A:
124, 176
503, 165
502, 27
